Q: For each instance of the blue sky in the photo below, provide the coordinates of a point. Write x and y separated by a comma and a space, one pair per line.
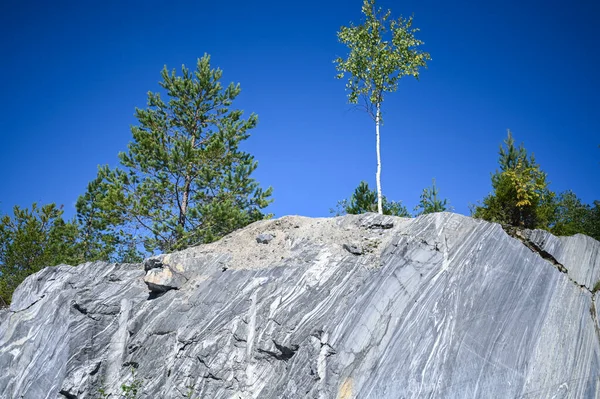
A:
74, 71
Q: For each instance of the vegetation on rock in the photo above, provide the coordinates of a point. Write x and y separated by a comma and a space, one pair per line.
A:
430, 202
381, 52
521, 198
364, 200
184, 180
520, 194
32, 239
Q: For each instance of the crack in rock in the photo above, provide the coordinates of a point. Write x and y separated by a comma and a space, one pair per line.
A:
533, 247
212, 377
33, 303
353, 249
67, 394
285, 352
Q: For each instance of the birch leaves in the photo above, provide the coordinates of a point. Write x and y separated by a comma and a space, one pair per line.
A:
381, 52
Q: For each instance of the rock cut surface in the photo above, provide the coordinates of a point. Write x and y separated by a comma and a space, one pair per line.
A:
360, 306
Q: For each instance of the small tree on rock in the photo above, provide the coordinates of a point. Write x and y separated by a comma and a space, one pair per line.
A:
184, 179
364, 200
430, 202
381, 52
521, 196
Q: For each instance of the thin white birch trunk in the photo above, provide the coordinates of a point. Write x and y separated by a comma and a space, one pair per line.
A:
378, 176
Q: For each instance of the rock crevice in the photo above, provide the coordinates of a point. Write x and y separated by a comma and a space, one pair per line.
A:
524, 236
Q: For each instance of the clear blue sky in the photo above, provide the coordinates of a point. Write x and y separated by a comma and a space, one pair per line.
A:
74, 71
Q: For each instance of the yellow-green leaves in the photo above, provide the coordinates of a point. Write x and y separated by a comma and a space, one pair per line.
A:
381, 52
528, 183
521, 196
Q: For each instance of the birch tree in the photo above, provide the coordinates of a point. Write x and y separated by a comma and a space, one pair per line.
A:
382, 50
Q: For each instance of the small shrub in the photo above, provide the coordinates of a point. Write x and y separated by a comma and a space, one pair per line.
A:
130, 391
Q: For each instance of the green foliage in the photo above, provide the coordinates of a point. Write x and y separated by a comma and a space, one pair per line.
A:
184, 180
381, 52
592, 224
103, 393
430, 202
571, 216
99, 239
364, 200
132, 390
32, 239
521, 196
190, 393
511, 156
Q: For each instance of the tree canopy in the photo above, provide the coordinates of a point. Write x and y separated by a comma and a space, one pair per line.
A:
184, 180
520, 196
99, 233
381, 51
32, 239
571, 216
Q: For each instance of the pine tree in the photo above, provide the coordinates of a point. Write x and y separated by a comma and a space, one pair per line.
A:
184, 180
364, 200
382, 51
32, 239
511, 156
430, 202
592, 222
98, 237
572, 216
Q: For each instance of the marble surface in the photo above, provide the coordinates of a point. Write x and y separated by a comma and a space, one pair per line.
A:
578, 254
441, 306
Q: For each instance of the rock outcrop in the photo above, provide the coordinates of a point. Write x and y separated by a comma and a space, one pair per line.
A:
368, 306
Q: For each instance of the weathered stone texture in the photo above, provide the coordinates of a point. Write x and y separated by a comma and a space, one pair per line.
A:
579, 254
441, 306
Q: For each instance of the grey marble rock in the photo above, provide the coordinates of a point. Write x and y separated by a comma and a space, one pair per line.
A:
353, 249
441, 306
578, 254
264, 238
164, 278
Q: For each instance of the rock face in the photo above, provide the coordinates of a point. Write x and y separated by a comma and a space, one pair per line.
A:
368, 306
